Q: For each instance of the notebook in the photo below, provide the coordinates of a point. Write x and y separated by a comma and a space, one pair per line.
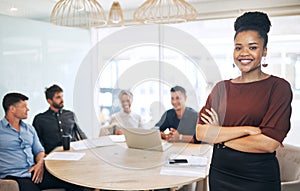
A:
147, 139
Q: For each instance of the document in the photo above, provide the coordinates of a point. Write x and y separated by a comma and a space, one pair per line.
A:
199, 172
187, 160
64, 156
185, 165
92, 143
117, 138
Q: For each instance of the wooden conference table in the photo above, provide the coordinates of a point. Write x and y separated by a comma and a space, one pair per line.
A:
116, 167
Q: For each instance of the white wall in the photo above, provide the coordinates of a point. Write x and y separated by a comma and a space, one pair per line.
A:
35, 55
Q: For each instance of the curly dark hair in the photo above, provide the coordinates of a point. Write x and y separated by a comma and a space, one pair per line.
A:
257, 21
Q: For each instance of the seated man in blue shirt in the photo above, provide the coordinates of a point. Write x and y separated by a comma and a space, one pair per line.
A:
181, 120
21, 151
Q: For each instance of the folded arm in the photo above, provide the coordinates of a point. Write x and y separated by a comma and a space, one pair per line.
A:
217, 134
212, 132
255, 144
241, 138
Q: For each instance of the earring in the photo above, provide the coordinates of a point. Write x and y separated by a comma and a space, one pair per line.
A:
233, 65
264, 64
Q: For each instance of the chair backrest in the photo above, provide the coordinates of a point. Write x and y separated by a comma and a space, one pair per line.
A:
289, 162
12, 185
9, 185
106, 130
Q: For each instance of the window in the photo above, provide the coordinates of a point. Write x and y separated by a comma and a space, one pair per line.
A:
216, 36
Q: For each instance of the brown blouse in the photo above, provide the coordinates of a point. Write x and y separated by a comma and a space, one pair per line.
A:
265, 104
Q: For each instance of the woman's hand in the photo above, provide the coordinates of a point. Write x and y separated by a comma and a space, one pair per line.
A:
212, 132
212, 119
253, 130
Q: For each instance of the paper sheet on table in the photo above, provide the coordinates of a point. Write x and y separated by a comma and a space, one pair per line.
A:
199, 172
192, 160
64, 156
117, 138
195, 167
92, 143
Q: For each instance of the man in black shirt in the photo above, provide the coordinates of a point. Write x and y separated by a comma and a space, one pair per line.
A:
56, 121
180, 120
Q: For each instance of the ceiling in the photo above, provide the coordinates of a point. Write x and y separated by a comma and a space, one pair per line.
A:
208, 9
41, 9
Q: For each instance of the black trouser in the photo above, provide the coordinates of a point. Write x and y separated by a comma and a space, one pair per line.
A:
49, 181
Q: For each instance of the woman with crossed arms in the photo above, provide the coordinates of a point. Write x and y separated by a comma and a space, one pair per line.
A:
248, 117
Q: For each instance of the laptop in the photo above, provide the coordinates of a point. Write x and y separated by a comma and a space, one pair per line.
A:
146, 139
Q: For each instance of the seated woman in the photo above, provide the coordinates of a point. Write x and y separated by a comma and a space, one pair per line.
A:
125, 118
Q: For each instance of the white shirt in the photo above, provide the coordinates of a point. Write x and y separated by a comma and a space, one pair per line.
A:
127, 120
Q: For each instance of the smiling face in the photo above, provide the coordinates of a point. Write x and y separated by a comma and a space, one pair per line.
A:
126, 103
178, 100
248, 51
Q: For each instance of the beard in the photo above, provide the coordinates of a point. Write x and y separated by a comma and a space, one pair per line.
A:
58, 106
